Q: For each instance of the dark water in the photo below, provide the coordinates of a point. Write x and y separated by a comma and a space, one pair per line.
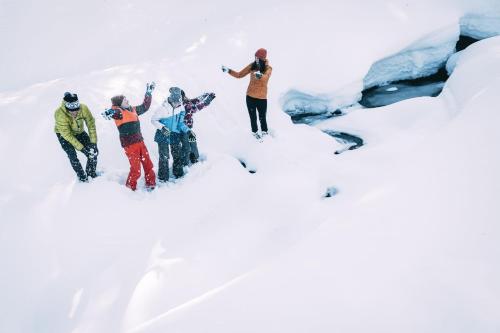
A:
315, 109
244, 164
309, 118
349, 141
404, 89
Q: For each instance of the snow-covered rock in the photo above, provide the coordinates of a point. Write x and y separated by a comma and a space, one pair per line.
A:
422, 58
480, 26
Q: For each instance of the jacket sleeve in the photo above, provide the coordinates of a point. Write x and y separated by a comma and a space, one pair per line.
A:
182, 125
90, 121
268, 73
140, 109
244, 72
155, 120
64, 128
197, 104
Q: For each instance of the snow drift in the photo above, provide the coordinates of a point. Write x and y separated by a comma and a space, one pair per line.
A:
223, 249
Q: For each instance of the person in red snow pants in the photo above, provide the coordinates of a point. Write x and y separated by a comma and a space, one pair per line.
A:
138, 154
126, 119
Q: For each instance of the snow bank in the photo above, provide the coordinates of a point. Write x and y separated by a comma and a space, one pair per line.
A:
422, 58
480, 26
415, 250
192, 255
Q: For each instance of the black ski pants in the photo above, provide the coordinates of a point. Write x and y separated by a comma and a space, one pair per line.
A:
73, 159
175, 146
255, 105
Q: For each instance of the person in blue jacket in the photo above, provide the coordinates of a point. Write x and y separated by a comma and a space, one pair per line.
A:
170, 127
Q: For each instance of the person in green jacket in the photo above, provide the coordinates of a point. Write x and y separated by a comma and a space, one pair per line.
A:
71, 134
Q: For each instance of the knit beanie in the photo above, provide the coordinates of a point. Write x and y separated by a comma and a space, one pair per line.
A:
261, 54
71, 101
175, 95
117, 100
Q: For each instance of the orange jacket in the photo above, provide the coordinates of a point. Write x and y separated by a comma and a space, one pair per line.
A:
257, 88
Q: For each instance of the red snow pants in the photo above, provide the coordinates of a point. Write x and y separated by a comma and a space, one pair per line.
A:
138, 154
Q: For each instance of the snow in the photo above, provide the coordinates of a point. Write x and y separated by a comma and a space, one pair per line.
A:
414, 250
480, 26
422, 58
407, 243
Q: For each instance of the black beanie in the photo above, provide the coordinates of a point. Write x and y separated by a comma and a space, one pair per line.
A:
71, 101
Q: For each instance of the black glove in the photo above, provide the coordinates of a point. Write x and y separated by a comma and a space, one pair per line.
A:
90, 151
94, 147
86, 151
210, 98
191, 137
165, 131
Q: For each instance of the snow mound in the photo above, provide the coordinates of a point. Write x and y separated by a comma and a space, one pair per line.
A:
416, 251
422, 58
480, 26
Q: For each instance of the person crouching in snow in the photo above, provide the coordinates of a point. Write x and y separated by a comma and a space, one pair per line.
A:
169, 120
256, 99
126, 118
69, 118
189, 141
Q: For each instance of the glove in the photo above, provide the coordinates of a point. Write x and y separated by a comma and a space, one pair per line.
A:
90, 151
191, 137
210, 97
258, 75
225, 69
165, 131
93, 149
108, 114
150, 87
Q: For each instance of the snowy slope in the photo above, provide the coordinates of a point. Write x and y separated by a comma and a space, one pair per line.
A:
414, 251
98, 258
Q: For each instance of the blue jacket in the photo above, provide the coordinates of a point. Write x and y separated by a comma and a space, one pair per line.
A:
171, 118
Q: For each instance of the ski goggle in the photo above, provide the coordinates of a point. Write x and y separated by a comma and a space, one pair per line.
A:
72, 105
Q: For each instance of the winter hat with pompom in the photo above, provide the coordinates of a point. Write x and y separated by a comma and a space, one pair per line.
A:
71, 101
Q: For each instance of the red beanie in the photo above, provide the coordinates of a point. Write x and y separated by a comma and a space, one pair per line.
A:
261, 53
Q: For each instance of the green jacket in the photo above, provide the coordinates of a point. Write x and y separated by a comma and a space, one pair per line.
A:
68, 127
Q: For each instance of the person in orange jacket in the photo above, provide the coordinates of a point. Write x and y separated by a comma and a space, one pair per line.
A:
256, 99
126, 118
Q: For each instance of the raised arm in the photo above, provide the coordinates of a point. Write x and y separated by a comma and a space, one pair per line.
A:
141, 109
199, 103
244, 72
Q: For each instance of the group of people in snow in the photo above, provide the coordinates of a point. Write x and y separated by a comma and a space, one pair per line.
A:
173, 121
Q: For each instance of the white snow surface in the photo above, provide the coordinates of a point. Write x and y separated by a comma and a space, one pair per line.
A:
408, 244
480, 26
422, 58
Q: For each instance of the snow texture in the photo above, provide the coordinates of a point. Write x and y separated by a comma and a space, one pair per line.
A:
422, 58
407, 243
480, 26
